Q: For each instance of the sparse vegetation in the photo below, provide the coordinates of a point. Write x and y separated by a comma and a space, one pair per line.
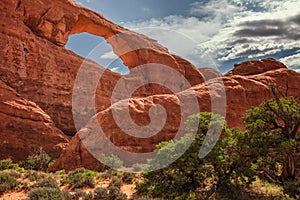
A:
101, 193
8, 164
111, 161
32, 175
116, 194
46, 193
7, 182
80, 178
261, 162
39, 161
47, 183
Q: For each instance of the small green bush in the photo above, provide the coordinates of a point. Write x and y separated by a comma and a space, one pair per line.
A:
115, 182
78, 193
32, 175
14, 174
106, 175
8, 164
7, 182
39, 161
47, 183
145, 198
45, 193
116, 194
24, 185
293, 189
128, 178
111, 161
88, 196
66, 195
80, 178
101, 193
137, 167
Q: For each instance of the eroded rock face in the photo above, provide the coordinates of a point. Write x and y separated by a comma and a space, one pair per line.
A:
25, 127
37, 65
256, 67
242, 91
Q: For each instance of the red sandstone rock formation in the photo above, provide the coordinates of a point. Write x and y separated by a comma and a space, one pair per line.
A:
34, 64
243, 92
37, 65
25, 127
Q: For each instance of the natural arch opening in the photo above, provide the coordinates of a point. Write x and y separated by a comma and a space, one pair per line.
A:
84, 43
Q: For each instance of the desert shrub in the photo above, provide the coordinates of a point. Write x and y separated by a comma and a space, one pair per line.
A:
60, 172
64, 180
137, 167
7, 182
115, 182
80, 178
47, 183
32, 175
106, 175
8, 164
293, 189
66, 195
101, 193
146, 198
78, 193
14, 174
128, 178
45, 193
111, 161
88, 196
39, 161
116, 194
24, 185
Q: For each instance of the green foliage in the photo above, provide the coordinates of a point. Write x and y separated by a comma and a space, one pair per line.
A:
7, 182
45, 193
115, 182
116, 194
137, 167
224, 171
293, 189
128, 178
39, 161
8, 164
66, 195
32, 175
88, 196
78, 193
111, 161
273, 139
101, 193
145, 198
81, 178
47, 182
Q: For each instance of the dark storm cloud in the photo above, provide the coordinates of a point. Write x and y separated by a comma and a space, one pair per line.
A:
296, 19
249, 52
289, 29
240, 41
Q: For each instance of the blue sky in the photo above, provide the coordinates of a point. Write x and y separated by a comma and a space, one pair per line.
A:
209, 33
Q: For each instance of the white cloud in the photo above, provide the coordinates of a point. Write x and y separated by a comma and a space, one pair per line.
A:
292, 62
228, 29
109, 55
181, 35
215, 10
